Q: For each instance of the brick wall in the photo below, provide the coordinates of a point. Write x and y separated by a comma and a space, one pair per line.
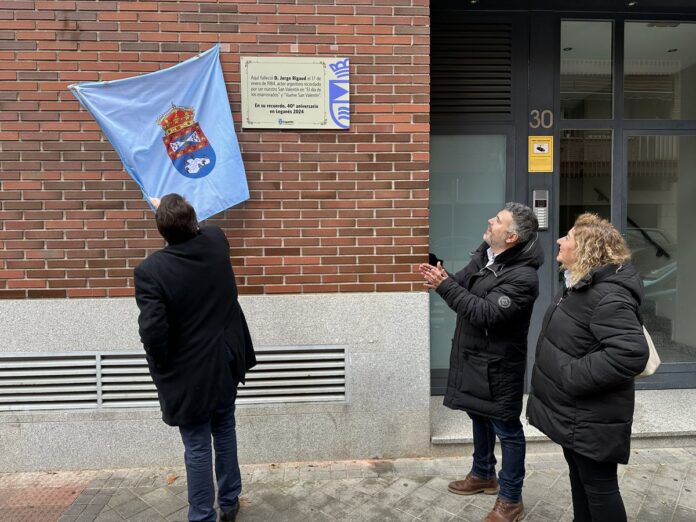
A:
329, 211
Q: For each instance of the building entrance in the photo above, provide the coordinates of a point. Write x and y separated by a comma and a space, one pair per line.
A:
612, 93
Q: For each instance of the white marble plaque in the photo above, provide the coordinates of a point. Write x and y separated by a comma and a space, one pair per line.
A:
295, 93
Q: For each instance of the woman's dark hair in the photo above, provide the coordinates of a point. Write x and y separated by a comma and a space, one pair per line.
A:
176, 219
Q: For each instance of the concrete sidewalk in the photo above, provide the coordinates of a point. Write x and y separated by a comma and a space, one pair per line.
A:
659, 485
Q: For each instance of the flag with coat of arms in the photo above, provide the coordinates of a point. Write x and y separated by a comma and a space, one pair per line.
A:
173, 131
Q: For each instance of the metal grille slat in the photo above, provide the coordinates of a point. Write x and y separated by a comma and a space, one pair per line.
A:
16, 398
145, 377
122, 380
252, 376
128, 386
245, 392
293, 382
34, 390
38, 381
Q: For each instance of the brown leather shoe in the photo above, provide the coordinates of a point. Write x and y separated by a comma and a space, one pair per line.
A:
472, 485
506, 511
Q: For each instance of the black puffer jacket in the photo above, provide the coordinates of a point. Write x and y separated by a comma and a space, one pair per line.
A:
489, 348
590, 349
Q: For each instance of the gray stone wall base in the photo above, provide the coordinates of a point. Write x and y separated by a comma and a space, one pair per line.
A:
386, 413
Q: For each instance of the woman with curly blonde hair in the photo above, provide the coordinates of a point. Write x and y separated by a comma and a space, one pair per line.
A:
590, 349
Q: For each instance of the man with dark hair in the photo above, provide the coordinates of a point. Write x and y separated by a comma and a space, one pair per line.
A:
198, 349
493, 297
176, 219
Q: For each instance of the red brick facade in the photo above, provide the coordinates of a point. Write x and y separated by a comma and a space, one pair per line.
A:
330, 211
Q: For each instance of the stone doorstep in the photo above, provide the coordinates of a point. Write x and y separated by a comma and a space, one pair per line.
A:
664, 418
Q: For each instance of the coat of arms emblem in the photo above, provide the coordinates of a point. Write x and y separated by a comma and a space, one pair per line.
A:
339, 94
186, 144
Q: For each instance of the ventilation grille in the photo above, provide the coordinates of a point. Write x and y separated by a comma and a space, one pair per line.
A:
122, 380
471, 68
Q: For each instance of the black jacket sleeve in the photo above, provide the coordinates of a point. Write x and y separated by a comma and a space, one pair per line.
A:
500, 305
623, 351
152, 321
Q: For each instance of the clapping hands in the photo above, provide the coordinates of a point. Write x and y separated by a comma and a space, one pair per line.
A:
433, 275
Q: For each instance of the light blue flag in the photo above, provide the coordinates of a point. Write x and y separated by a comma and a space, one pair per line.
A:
173, 131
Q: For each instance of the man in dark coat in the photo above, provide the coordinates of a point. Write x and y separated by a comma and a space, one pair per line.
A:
198, 349
493, 297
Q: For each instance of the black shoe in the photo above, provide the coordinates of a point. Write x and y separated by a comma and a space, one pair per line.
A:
231, 515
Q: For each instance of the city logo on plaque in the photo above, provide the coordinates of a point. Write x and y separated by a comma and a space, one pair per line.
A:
339, 94
186, 144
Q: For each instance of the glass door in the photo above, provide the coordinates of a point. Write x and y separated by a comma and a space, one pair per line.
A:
467, 186
628, 153
661, 190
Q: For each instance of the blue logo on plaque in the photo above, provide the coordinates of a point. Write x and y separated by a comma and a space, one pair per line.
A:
339, 94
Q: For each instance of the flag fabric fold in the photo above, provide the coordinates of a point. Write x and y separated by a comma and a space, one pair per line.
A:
173, 131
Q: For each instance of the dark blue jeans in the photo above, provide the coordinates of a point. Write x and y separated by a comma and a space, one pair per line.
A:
512, 445
199, 465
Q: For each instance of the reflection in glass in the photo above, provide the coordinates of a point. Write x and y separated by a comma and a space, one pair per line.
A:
467, 186
586, 69
660, 70
585, 175
661, 195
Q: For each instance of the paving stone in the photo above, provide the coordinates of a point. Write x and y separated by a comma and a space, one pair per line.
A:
164, 501
102, 498
425, 494
546, 510
411, 505
149, 515
130, 508
450, 502
474, 513
632, 500
374, 485
401, 488
658, 485
687, 497
90, 513
108, 515
120, 497
179, 516
31, 513
86, 496
75, 510
378, 512
682, 514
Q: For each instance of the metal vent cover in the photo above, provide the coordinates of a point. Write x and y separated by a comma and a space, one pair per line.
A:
315, 373
471, 68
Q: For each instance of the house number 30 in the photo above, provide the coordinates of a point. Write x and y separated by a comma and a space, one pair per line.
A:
543, 119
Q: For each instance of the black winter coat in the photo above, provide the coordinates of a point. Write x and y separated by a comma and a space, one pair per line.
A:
489, 349
590, 349
195, 336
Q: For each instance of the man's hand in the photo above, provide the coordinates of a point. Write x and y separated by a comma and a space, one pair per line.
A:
155, 202
433, 275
